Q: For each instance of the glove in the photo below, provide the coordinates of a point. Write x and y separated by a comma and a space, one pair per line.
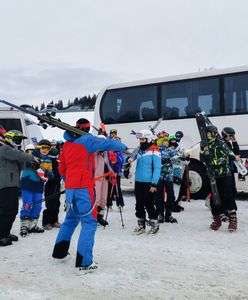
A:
203, 144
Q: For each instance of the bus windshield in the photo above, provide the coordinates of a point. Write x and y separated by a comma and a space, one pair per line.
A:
10, 124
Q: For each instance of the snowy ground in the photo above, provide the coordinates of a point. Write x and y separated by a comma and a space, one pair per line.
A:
183, 261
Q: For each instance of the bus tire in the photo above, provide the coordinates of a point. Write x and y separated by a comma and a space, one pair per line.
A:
199, 183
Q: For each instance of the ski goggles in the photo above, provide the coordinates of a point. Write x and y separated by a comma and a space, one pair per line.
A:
44, 147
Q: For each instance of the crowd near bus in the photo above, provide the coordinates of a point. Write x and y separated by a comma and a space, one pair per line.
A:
90, 169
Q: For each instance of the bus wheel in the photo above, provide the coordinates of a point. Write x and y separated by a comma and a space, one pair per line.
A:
198, 180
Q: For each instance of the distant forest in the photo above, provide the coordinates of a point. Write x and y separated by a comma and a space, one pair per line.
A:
85, 102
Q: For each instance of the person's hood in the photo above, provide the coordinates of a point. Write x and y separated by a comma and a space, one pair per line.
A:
68, 136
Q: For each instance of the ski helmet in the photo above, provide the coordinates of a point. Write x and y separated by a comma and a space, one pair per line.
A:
179, 134
145, 134
14, 137
172, 137
44, 143
83, 124
161, 140
228, 131
211, 128
162, 134
30, 147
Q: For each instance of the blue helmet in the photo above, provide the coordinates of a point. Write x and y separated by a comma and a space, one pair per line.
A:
179, 134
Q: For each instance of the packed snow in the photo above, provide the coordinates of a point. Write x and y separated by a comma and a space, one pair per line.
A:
183, 261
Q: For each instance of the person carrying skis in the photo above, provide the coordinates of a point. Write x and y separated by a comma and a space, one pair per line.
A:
32, 187
147, 174
12, 161
165, 183
77, 168
228, 135
217, 157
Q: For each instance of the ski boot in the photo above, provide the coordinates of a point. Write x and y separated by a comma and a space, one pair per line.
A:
33, 227
13, 237
215, 225
88, 269
141, 227
161, 218
154, 227
24, 227
5, 242
168, 218
232, 222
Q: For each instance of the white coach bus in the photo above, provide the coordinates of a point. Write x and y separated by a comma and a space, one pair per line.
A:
222, 94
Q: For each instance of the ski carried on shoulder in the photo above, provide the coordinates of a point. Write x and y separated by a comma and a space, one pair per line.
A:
201, 123
46, 119
239, 165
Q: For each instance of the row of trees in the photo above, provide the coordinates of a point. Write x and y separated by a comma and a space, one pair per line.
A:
85, 102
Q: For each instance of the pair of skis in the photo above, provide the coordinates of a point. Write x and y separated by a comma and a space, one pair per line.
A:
202, 127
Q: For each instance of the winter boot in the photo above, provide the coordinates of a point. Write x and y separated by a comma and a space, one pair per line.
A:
13, 237
232, 222
216, 223
141, 227
168, 218
33, 228
24, 227
161, 218
5, 242
154, 227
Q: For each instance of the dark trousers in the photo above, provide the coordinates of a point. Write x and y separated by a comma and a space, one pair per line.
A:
50, 214
225, 189
115, 192
159, 196
144, 201
8, 209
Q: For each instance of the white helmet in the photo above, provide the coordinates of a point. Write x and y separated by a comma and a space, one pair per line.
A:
146, 134
30, 147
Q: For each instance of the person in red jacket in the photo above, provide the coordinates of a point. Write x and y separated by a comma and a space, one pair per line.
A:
77, 168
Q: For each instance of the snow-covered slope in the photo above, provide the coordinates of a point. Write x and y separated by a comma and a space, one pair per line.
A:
183, 261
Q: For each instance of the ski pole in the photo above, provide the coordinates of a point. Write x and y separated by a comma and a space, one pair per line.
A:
122, 223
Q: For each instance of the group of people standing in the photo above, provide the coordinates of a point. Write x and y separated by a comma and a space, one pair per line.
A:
31, 173
91, 168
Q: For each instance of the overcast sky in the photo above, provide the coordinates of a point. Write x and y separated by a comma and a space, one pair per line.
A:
61, 49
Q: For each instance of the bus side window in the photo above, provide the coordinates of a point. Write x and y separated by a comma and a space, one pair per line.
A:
167, 112
147, 114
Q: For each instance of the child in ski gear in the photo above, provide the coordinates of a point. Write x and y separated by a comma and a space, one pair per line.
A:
76, 166
52, 187
116, 161
217, 158
178, 136
173, 141
165, 182
32, 187
12, 161
147, 174
113, 133
228, 135
101, 185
